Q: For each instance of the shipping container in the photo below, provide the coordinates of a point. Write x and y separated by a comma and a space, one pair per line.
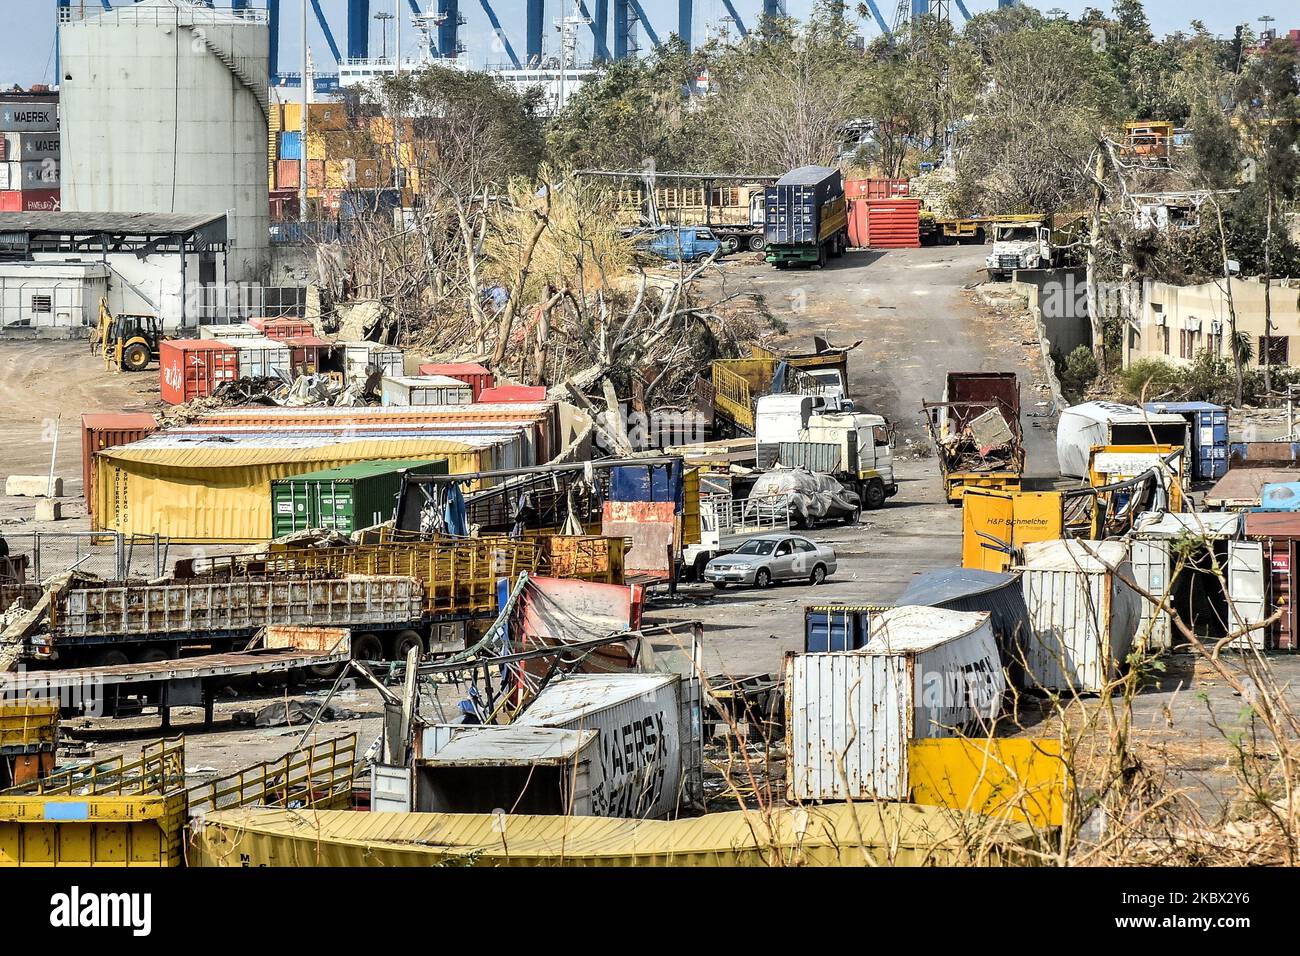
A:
1160, 542
1093, 424
25, 147
423, 390
1207, 433
260, 357
877, 188
513, 393
926, 672
30, 175
288, 174
237, 330
100, 430
195, 368
838, 627
31, 200
1082, 614
474, 375
308, 353
282, 328
885, 223
1278, 533
291, 146
18, 116
973, 589
642, 736
200, 491
794, 204
360, 358
478, 769
344, 499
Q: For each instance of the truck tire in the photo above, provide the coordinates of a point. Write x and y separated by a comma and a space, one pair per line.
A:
729, 245
757, 243
403, 643
874, 495
111, 657
367, 647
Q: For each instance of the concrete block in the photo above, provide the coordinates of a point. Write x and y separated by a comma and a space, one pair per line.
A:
49, 509
33, 486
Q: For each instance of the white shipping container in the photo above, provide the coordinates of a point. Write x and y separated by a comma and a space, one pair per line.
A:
638, 717
238, 331
425, 390
1082, 614
17, 116
261, 357
360, 357
25, 147
926, 672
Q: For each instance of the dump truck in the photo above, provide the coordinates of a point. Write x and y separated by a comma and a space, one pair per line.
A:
854, 448
806, 217
739, 383
976, 432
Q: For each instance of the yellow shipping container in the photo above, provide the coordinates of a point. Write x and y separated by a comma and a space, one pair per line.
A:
291, 116
315, 145
859, 834
191, 493
993, 521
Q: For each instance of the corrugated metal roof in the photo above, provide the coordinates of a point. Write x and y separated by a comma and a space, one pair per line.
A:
806, 176
361, 469
1212, 524
580, 694
441, 381
833, 834
511, 745
375, 411
175, 454
1076, 554
947, 584
903, 630
118, 223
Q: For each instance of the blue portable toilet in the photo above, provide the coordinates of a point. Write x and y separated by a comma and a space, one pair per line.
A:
1280, 496
1208, 435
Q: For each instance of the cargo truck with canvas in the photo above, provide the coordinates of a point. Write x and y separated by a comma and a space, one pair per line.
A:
806, 217
976, 432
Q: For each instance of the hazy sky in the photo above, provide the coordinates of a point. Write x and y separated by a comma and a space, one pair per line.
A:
27, 42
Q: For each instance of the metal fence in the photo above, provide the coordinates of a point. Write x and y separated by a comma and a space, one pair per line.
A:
110, 555
239, 302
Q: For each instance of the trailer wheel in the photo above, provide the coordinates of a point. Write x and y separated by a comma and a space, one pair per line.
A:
729, 245
403, 643
367, 647
152, 655
757, 243
112, 657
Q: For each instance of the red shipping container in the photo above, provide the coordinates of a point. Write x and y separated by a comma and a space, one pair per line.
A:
193, 368
11, 200
306, 352
513, 393
885, 223
41, 200
472, 374
280, 329
100, 430
287, 173
876, 188
1280, 533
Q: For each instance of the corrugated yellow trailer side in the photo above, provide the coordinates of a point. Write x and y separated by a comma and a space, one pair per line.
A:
829, 835
213, 491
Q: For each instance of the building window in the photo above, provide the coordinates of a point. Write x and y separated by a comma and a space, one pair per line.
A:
1164, 339
1273, 350
1187, 344
42, 303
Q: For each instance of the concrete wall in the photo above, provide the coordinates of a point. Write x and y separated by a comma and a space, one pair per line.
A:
1060, 302
153, 120
1176, 322
73, 289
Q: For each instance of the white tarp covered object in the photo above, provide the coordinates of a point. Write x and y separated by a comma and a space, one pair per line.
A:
1083, 426
813, 497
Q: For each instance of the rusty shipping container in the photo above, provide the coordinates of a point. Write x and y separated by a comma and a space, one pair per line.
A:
925, 672
885, 223
472, 374
194, 368
1279, 532
282, 328
100, 430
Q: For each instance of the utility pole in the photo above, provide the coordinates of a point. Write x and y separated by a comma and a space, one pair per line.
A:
397, 112
302, 163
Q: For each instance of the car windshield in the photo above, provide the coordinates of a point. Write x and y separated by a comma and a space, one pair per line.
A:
756, 546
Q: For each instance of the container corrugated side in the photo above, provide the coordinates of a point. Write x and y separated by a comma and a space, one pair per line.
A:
641, 741
100, 430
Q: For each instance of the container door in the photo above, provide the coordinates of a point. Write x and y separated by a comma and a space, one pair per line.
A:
390, 789
1246, 589
1151, 573
1218, 450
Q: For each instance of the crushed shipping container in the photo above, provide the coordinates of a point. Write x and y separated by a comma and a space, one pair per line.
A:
926, 672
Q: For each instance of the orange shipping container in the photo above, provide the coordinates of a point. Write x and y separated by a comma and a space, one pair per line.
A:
286, 174
100, 430
315, 173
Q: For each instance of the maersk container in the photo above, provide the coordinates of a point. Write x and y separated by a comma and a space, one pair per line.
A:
25, 147
1208, 435
926, 672
346, 499
1082, 614
19, 116
408, 390
643, 737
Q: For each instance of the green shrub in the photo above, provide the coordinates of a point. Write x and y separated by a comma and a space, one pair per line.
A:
1076, 372
1152, 380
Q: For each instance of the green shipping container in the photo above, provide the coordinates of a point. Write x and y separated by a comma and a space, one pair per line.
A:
345, 499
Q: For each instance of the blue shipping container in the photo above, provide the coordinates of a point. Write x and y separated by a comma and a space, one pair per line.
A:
648, 483
1280, 496
291, 145
838, 627
1208, 428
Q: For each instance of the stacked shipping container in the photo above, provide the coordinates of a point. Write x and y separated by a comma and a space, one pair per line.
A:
29, 154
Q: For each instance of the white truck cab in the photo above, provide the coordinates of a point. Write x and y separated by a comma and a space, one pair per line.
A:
1018, 245
866, 451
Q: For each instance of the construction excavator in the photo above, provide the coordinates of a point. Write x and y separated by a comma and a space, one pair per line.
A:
128, 341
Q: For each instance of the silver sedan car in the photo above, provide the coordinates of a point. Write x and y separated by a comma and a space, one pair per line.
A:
766, 558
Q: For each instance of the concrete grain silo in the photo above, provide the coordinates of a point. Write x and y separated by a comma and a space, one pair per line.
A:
164, 109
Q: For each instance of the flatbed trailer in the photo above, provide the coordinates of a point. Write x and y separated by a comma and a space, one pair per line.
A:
126, 689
